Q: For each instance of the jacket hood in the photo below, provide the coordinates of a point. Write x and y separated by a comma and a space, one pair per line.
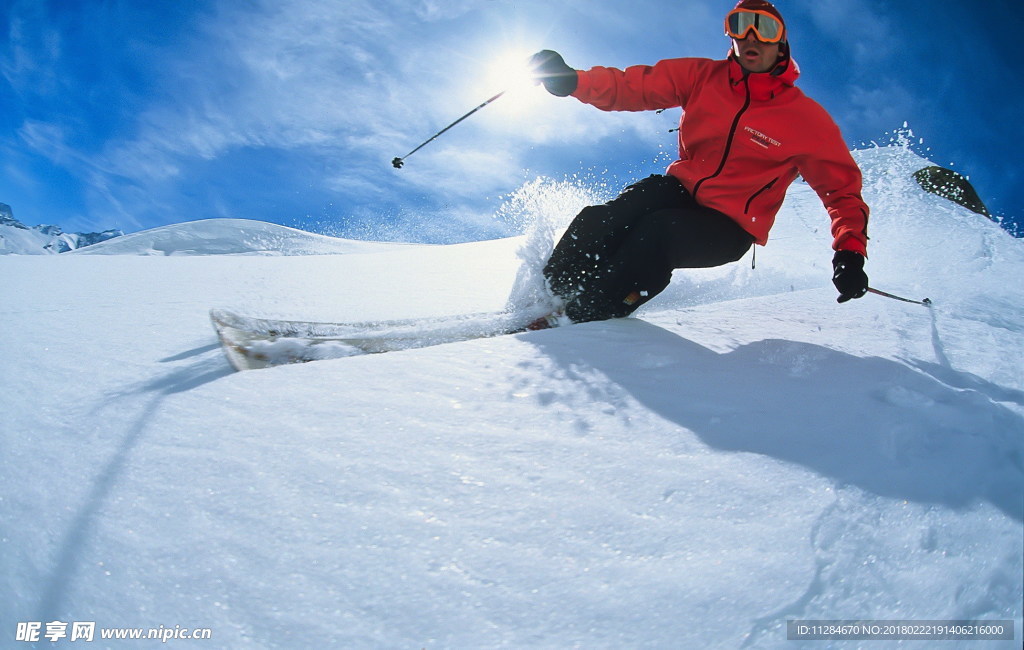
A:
765, 85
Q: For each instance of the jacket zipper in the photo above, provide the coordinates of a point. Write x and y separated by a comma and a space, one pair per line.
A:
732, 134
746, 208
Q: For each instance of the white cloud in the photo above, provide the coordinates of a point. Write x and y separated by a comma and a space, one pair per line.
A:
33, 47
46, 139
290, 74
878, 108
360, 80
855, 22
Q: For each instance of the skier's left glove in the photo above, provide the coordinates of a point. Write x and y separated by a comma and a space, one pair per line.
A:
848, 275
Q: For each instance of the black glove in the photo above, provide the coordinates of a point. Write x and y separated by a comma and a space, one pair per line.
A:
848, 275
549, 68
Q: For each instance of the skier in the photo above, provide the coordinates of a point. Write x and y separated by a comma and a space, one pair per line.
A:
745, 134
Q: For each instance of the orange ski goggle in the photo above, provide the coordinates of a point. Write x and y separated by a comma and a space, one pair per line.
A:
767, 27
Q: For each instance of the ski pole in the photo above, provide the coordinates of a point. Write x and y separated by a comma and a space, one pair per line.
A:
926, 302
398, 162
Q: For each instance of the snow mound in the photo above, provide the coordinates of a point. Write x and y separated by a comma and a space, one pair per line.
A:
230, 237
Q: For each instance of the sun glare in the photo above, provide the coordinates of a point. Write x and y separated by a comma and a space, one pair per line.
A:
510, 72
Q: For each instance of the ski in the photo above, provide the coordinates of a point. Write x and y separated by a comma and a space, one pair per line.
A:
253, 343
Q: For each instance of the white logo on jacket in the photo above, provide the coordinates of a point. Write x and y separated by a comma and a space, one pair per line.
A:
761, 139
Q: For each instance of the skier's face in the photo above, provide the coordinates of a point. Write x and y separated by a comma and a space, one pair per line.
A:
755, 55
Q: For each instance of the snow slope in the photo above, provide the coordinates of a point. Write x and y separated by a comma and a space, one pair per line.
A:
229, 237
743, 452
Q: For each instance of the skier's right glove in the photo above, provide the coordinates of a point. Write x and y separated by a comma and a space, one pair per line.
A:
848, 275
550, 69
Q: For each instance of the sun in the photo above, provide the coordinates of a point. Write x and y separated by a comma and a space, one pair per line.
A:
510, 72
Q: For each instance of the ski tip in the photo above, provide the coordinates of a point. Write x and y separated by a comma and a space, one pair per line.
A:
221, 315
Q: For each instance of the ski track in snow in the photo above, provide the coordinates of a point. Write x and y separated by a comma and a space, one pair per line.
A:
742, 453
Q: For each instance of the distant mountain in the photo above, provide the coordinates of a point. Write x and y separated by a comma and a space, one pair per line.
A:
18, 239
230, 237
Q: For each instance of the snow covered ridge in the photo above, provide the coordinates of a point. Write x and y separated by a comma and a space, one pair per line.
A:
204, 237
230, 237
18, 239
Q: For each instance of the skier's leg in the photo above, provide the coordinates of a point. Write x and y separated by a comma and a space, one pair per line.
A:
641, 267
597, 231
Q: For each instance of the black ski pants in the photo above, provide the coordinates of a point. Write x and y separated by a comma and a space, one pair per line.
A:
617, 256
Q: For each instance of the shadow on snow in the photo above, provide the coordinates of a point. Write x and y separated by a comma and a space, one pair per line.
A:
905, 431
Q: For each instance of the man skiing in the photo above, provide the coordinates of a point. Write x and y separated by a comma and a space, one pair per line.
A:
745, 134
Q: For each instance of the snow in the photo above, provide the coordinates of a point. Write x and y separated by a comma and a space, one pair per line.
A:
741, 453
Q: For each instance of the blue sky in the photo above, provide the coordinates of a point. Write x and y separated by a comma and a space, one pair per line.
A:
137, 113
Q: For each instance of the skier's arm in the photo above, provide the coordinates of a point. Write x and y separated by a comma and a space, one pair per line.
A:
835, 177
666, 84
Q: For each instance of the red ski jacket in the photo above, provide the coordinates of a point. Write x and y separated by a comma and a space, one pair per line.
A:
743, 138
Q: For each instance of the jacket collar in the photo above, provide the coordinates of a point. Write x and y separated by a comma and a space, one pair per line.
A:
764, 85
